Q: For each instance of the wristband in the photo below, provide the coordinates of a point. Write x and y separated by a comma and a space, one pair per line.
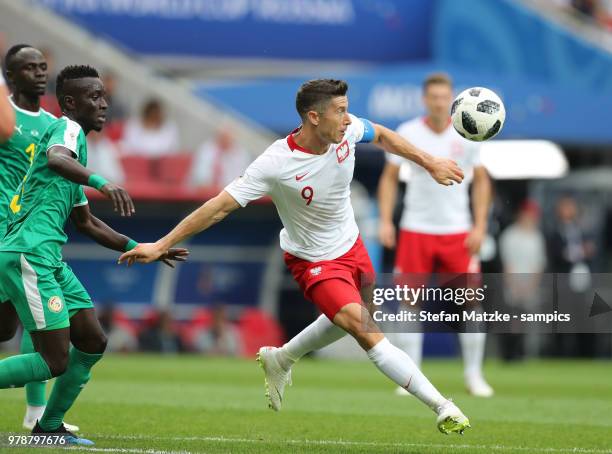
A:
96, 181
131, 244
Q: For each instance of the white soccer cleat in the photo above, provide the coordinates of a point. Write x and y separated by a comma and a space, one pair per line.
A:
403, 392
451, 419
478, 387
30, 423
71, 427
276, 378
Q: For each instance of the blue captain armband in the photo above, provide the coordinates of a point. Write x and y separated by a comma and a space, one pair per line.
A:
368, 131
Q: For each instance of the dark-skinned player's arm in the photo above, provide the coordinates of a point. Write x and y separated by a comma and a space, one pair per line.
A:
89, 225
7, 114
213, 211
62, 162
444, 171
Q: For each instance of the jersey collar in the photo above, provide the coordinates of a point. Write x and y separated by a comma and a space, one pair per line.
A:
427, 123
293, 144
23, 111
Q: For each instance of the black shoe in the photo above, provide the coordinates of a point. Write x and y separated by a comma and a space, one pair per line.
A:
68, 437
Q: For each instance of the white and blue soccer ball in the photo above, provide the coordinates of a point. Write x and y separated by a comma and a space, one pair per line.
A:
478, 114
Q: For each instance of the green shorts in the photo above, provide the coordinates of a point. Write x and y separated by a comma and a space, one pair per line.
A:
45, 295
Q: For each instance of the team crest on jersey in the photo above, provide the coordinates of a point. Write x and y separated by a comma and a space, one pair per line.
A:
342, 151
316, 270
55, 304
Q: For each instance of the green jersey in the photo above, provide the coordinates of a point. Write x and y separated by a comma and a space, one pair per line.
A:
17, 154
44, 199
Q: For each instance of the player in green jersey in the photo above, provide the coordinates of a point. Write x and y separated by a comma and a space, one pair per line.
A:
46, 295
26, 69
7, 115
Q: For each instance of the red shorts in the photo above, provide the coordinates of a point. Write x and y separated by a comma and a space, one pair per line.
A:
426, 253
353, 268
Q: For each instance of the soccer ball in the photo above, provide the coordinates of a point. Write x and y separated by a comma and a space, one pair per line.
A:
478, 114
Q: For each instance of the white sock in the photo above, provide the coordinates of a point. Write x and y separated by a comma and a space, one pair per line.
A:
472, 347
34, 413
398, 366
412, 344
318, 334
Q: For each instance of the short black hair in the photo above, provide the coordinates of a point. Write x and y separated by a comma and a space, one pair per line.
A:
8, 58
72, 73
314, 93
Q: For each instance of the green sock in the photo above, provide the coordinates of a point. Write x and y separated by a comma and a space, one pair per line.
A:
68, 387
35, 391
18, 370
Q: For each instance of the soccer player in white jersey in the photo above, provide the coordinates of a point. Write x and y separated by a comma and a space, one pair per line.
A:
436, 229
307, 175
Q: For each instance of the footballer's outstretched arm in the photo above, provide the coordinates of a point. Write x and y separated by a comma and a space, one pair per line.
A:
444, 171
89, 225
62, 162
213, 211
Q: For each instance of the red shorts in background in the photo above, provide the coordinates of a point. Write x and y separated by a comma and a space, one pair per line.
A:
353, 268
427, 253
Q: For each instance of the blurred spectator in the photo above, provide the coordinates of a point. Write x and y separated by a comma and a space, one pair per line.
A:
604, 13
221, 338
152, 134
116, 110
522, 244
569, 248
570, 254
116, 113
219, 161
586, 7
49, 101
103, 157
523, 256
597, 10
563, 4
120, 338
161, 336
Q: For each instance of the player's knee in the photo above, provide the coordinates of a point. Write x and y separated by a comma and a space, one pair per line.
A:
7, 331
103, 343
57, 361
97, 343
350, 320
93, 342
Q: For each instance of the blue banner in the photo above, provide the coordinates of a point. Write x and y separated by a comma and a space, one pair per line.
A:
505, 38
226, 265
350, 30
392, 94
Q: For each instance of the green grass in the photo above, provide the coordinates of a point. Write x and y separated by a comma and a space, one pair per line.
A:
140, 403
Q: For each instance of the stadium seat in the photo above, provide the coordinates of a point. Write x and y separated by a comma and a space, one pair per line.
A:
138, 168
121, 319
258, 329
173, 169
201, 320
114, 130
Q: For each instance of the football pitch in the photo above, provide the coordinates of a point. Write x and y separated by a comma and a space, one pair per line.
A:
155, 404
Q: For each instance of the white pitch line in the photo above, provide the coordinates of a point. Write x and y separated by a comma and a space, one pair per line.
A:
576, 450
126, 450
